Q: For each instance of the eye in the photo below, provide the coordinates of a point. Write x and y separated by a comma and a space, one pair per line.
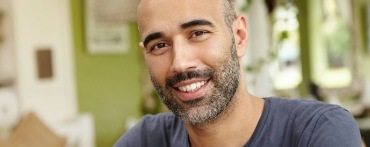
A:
198, 33
159, 48
160, 45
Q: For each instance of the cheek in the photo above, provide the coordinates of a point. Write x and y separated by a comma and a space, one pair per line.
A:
157, 68
212, 51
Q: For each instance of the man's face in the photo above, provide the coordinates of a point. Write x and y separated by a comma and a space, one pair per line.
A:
191, 56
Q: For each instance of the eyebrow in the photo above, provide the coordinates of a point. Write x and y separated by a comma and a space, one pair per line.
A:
151, 37
192, 23
196, 22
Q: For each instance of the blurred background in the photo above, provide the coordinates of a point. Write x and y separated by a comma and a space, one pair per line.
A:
72, 74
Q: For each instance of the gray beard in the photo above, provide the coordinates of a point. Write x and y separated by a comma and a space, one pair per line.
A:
204, 109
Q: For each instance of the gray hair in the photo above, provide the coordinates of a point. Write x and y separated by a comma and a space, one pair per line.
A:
228, 10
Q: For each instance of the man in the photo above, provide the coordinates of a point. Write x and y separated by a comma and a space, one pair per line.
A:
193, 50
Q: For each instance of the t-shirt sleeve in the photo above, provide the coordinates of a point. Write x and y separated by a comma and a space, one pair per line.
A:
335, 127
131, 137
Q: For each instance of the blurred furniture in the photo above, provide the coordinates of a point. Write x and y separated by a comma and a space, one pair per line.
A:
31, 132
79, 131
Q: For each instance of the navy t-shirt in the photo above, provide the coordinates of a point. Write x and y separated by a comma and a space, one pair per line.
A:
284, 123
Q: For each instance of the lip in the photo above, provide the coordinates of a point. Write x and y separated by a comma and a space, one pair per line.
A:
187, 96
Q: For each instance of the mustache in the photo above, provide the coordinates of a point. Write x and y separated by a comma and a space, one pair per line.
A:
177, 78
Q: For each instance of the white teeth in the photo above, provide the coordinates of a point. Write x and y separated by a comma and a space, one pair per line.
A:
192, 87
188, 87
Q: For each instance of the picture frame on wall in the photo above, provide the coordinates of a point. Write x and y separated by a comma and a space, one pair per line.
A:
107, 25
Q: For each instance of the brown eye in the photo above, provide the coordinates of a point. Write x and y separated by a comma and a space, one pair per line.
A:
161, 45
160, 48
199, 33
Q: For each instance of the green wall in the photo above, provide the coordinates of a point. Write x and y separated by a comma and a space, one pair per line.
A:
108, 86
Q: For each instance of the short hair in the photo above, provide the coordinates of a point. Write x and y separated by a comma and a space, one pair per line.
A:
228, 9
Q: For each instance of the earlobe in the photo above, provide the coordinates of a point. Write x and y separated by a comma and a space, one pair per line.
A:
241, 35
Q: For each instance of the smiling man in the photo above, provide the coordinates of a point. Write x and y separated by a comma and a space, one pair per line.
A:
193, 50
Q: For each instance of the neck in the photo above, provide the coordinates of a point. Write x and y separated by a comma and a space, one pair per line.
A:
233, 127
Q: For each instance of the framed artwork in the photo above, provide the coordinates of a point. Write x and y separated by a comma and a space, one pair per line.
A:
106, 25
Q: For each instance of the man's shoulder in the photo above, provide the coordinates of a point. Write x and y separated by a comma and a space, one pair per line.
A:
316, 123
295, 112
306, 111
301, 106
160, 129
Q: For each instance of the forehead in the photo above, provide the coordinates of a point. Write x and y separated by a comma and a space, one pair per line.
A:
154, 15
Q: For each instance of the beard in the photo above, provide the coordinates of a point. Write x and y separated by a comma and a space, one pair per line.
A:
206, 108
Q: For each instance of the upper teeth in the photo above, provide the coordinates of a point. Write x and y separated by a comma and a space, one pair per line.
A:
192, 87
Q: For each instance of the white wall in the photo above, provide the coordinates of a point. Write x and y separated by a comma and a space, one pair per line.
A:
44, 23
7, 62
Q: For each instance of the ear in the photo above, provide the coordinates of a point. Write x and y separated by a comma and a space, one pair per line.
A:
141, 44
241, 35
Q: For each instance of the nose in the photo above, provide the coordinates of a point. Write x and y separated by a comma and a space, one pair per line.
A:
184, 58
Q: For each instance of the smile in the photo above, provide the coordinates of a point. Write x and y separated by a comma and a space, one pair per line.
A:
192, 87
